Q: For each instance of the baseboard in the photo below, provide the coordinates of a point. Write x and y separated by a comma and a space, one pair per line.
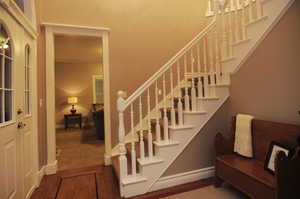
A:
183, 178
39, 176
51, 168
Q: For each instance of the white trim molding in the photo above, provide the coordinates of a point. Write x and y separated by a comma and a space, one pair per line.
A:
55, 29
27, 19
183, 178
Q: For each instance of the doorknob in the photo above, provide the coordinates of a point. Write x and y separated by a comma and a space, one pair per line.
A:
21, 125
19, 111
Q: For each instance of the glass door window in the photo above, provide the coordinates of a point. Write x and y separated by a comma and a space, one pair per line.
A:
6, 87
27, 91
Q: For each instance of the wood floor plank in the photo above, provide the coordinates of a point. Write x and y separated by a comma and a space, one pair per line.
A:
48, 188
78, 187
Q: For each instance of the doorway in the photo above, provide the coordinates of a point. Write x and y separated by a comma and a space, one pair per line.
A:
54, 31
79, 101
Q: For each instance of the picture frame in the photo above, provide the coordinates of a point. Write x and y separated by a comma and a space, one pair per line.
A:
274, 148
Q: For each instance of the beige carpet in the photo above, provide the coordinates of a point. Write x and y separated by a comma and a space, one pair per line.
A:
78, 148
210, 192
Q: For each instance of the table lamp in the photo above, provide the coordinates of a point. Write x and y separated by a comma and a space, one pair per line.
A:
73, 101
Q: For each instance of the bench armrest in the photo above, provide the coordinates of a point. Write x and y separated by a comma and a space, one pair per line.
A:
287, 173
223, 144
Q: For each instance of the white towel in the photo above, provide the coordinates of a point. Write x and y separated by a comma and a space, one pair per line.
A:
243, 135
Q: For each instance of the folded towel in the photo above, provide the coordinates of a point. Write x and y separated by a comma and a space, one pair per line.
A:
243, 136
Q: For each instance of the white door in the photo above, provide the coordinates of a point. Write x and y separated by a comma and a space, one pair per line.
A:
16, 137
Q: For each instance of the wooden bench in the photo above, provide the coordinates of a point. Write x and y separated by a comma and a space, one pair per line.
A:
249, 175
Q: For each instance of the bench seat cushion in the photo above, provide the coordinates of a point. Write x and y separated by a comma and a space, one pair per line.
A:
250, 167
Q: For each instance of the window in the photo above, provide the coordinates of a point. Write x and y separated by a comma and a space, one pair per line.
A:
6, 88
27, 91
98, 89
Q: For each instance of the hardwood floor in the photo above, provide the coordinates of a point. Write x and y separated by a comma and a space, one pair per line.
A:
78, 148
97, 182
88, 183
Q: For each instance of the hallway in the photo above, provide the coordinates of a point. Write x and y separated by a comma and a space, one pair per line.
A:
78, 148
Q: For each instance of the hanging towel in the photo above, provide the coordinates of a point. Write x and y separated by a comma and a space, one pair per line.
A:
243, 135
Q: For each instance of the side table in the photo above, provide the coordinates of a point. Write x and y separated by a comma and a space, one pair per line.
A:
75, 118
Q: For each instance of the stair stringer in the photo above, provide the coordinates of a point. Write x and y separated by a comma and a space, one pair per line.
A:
257, 31
181, 138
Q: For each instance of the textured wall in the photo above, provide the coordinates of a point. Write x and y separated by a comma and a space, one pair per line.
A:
267, 85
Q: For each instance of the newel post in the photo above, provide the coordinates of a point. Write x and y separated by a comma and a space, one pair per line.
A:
122, 156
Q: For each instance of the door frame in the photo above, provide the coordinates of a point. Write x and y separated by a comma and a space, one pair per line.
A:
56, 29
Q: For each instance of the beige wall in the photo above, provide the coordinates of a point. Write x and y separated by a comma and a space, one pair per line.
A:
144, 35
267, 85
147, 33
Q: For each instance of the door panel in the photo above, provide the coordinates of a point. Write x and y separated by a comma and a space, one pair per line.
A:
10, 166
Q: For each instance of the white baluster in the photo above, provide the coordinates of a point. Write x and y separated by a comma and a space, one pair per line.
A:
238, 4
157, 126
186, 96
250, 10
122, 156
133, 153
230, 34
142, 144
212, 84
150, 139
209, 11
243, 24
205, 55
259, 10
179, 104
199, 85
236, 25
211, 52
232, 6
173, 115
193, 89
166, 123
206, 85
218, 61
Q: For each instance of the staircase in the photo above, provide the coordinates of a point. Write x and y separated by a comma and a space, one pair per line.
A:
162, 117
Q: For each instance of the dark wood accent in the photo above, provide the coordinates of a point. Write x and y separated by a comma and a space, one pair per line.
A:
249, 175
75, 118
98, 182
286, 178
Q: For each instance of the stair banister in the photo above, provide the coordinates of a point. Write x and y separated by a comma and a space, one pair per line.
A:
170, 63
122, 158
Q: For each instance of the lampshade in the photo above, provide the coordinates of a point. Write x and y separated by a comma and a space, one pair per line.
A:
72, 100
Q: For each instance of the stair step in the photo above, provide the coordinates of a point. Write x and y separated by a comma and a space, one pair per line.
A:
208, 98
150, 161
